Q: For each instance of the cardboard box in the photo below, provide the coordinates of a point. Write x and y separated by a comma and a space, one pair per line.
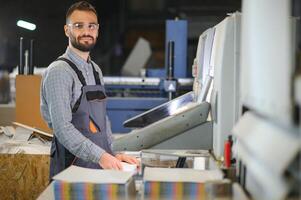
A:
28, 102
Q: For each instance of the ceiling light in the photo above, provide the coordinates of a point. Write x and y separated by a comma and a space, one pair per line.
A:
26, 25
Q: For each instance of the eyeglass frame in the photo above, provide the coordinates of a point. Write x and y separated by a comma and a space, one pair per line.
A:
74, 26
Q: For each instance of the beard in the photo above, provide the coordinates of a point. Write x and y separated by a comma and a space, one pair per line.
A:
85, 46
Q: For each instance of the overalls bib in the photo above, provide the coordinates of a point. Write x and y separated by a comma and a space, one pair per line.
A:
89, 118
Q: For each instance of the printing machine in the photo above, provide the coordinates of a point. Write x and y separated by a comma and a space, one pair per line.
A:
139, 90
246, 84
184, 122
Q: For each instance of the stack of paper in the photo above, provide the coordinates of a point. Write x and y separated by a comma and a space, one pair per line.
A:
175, 183
83, 183
126, 167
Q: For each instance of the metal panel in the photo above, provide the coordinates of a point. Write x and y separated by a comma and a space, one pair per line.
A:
267, 58
137, 59
267, 149
164, 129
224, 61
141, 81
199, 137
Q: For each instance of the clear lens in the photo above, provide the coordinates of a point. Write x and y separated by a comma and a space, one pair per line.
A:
82, 26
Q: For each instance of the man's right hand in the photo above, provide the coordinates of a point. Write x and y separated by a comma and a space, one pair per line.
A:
108, 161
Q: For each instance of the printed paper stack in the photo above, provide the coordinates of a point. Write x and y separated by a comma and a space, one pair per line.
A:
176, 183
83, 183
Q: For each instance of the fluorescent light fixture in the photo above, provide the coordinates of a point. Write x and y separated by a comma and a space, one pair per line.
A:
26, 25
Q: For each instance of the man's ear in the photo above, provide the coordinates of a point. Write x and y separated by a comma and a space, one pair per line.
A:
67, 30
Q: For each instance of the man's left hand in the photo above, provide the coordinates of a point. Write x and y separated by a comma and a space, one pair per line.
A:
128, 159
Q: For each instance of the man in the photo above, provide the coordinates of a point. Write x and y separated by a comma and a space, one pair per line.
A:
73, 100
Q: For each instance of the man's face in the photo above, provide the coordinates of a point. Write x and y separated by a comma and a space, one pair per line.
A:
82, 30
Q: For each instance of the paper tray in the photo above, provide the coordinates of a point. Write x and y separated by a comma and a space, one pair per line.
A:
159, 112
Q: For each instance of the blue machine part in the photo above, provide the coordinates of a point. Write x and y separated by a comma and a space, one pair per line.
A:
122, 109
135, 91
176, 30
161, 73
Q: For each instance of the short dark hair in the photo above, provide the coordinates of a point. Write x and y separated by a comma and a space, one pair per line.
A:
81, 5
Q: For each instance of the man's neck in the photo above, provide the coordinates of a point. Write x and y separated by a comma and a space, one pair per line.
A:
83, 55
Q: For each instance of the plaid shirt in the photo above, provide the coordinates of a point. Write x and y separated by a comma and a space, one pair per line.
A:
60, 89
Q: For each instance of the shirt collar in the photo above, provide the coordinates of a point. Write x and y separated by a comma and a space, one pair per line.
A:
76, 58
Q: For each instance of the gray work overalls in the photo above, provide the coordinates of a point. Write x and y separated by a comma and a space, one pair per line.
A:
89, 110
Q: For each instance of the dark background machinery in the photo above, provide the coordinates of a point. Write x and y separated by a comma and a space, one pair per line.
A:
122, 22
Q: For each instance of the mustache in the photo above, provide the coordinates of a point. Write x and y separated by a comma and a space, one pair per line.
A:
86, 36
